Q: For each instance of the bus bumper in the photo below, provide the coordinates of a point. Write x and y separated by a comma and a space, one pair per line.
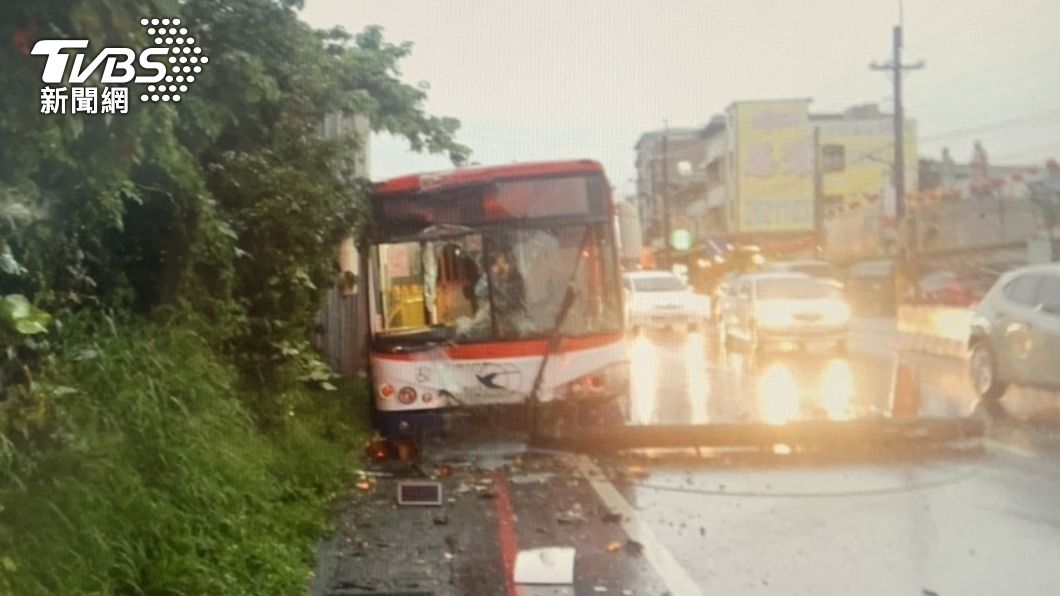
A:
410, 424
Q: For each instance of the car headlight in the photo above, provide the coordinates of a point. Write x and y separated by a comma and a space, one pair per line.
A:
608, 381
773, 315
837, 314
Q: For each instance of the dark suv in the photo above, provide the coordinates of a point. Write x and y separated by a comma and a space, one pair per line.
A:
1015, 332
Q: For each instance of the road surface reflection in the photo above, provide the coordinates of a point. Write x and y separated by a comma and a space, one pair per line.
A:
679, 378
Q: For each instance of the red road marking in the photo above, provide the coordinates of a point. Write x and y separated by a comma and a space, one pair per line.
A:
506, 536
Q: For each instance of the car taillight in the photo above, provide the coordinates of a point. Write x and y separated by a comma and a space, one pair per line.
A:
407, 395
428, 397
386, 390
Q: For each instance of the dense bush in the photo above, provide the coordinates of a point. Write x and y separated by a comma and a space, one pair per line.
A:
141, 451
148, 474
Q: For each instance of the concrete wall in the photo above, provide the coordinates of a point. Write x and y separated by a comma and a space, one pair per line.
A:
976, 223
949, 226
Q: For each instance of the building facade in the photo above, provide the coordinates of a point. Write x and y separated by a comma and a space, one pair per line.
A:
674, 157
773, 169
856, 154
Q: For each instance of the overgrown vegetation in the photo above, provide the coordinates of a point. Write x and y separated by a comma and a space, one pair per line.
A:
153, 478
165, 427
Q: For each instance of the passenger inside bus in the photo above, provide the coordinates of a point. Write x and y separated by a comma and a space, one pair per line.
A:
456, 276
506, 290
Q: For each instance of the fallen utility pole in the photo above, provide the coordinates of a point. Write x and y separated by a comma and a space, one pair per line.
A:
884, 434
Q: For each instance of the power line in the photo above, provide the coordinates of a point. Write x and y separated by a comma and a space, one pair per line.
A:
960, 132
991, 126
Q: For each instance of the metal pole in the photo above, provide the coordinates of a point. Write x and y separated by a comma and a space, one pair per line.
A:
666, 191
818, 188
899, 132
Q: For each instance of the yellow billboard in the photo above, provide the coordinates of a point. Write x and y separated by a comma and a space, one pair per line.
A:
773, 166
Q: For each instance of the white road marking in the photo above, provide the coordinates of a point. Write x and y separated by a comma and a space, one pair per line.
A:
666, 566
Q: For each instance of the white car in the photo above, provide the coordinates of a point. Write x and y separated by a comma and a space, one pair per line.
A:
661, 299
785, 308
811, 267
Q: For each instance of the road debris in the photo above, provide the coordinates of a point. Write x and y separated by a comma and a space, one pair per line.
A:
614, 547
634, 548
572, 516
551, 565
534, 478
610, 517
637, 472
419, 493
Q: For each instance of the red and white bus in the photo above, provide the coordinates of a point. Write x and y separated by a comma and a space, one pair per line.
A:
494, 286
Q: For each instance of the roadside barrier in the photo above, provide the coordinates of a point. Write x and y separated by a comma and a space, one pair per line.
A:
938, 330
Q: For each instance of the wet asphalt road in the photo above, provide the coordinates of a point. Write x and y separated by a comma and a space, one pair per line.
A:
978, 518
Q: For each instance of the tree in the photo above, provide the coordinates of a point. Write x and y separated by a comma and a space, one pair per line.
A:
228, 202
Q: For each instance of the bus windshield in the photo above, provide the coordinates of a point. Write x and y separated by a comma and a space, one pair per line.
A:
496, 285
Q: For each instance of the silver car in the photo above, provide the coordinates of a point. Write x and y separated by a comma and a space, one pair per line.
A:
1015, 332
785, 308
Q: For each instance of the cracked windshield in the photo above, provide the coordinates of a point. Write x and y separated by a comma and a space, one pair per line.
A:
563, 297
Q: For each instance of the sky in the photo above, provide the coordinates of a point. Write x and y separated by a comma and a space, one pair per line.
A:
556, 79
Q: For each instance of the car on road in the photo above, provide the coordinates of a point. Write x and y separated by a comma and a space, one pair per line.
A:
949, 288
661, 299
811, 267
1015, 332
780, 308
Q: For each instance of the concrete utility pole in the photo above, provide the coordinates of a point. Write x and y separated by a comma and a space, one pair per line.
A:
907, 257
895, 67
666, 190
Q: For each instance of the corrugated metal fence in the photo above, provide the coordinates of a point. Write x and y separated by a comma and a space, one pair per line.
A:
341, 335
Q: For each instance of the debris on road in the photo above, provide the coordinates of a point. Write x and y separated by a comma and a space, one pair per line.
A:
419, 493
637, 472
364, 485
614, 547
574, 515
610, 517
551, 565
534, 478
634, 548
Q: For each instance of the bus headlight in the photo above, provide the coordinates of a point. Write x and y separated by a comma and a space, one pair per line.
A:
407, 395
606, 382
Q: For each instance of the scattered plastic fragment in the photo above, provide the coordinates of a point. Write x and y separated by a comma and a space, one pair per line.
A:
552, 565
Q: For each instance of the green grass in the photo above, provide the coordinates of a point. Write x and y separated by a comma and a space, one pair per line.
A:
160, 474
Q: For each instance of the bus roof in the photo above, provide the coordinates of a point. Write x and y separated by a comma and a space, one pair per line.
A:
484, 174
